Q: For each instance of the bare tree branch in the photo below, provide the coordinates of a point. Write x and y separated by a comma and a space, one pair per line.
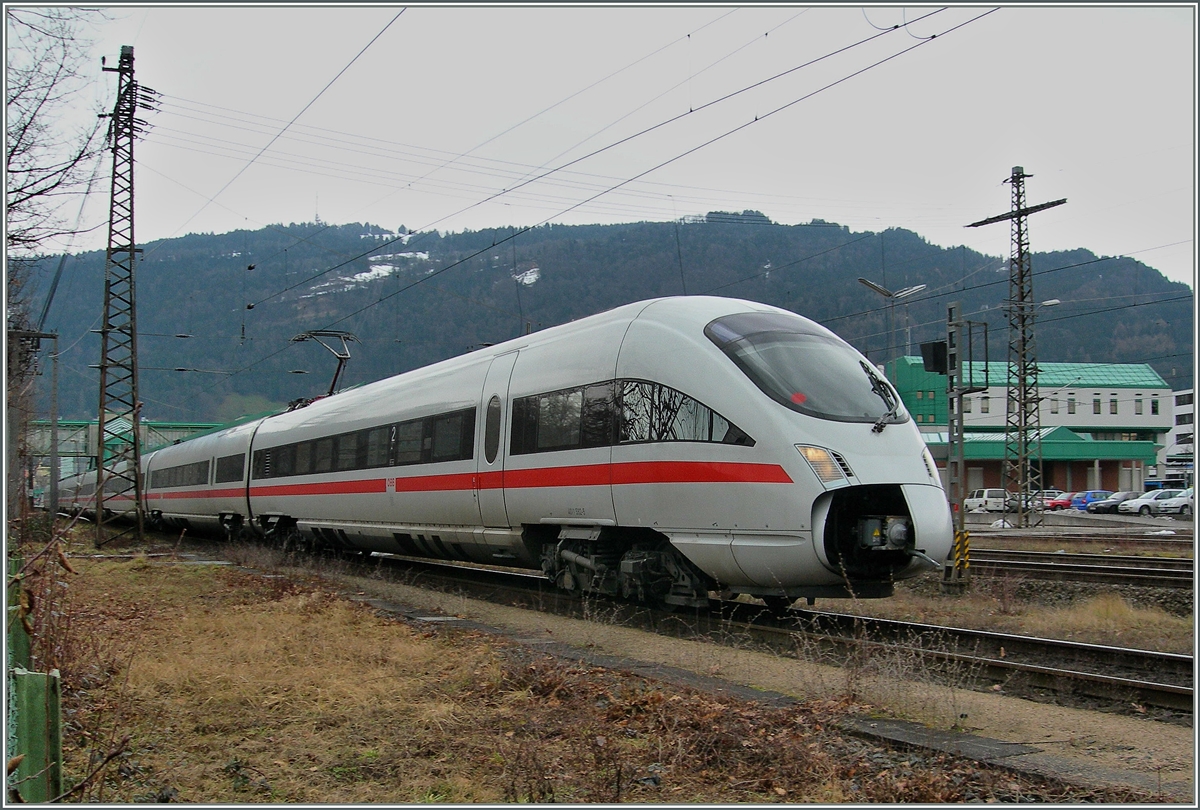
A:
51, 138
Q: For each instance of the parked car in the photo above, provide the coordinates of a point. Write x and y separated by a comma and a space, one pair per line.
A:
1063, 501
1045, 496
990, 500
1082, 499
1145, 505
1182, 504
1109, 504
1035, 501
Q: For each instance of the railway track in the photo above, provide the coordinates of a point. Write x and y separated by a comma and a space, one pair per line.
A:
1155, 572
1111, 678
1181, 542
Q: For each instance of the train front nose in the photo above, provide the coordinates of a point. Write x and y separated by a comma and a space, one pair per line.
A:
881, 532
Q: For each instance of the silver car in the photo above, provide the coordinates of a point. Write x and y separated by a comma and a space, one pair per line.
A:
1182, 504
1147, 504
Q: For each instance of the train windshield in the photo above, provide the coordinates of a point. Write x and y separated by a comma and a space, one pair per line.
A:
806, 368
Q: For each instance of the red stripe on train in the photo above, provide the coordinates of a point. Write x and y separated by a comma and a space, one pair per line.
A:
589, 475
197, 493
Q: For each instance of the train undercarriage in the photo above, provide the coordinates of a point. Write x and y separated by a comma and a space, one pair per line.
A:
641, 566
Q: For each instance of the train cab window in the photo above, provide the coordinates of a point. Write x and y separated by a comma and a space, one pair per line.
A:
805, 367
491, 430
650, 412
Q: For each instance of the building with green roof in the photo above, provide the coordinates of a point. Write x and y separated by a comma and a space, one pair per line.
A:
1104, 425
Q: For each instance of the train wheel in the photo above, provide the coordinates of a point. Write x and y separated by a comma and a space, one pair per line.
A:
293, 540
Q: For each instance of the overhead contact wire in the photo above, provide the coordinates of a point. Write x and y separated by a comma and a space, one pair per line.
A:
529, 228
630, 137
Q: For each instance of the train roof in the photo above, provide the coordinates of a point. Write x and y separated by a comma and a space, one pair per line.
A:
696, 310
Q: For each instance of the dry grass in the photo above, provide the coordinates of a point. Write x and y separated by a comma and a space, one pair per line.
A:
1000, 604
1109, 619
237, 687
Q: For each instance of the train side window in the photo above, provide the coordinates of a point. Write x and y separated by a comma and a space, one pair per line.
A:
636, 413
453, 436
283, 461
649, 412
621, 412
183, 475
558, 420
598, 416
408, 442
377, 446
347, 456
323, 455
304, 458
491, 430
524, 426
726, 432
230, 468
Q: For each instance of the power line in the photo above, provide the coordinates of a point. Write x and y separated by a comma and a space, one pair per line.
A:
666, 122
1005, 280
294, 119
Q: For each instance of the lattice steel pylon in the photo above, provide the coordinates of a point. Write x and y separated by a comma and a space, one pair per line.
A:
118, 454
1022, 473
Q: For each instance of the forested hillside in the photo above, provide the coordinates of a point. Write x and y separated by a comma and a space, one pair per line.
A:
413, 300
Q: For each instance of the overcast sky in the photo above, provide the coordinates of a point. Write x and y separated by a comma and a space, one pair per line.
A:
466, 118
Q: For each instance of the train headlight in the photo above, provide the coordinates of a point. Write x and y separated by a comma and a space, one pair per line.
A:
828, 467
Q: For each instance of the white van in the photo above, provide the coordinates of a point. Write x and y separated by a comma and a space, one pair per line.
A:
990, 500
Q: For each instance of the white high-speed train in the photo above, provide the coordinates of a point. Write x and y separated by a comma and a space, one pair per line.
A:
659, 451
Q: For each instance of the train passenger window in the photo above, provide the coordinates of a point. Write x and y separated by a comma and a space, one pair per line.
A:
230, 468
650, 412
303, 458
524, 426
182, 475
283, 461
408, 442
454, 436
378, 446
559, 419
347, 456
323, 455
621, 411
491, 430
637, 411
598, 416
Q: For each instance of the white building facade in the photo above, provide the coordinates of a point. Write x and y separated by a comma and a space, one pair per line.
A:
1177, 459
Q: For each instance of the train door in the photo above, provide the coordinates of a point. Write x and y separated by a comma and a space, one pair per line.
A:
489, 480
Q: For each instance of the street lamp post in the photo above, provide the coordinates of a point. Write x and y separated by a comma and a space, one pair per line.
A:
893, 297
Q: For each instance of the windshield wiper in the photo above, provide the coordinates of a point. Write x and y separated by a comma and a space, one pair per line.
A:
881, 390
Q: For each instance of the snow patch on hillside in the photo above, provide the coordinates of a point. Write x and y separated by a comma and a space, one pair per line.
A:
528, 277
